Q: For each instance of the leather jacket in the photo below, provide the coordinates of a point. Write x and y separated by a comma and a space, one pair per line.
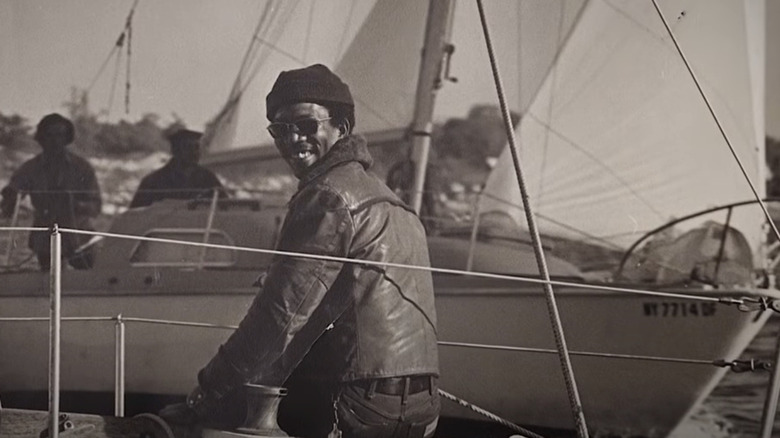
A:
349, 321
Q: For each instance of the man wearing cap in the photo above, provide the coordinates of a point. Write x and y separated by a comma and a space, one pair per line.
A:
358, 338
182, 177
63, 190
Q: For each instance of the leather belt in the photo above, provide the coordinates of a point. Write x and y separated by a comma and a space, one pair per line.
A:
396, 385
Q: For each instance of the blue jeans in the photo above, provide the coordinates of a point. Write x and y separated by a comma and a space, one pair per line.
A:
312, 409
362, 412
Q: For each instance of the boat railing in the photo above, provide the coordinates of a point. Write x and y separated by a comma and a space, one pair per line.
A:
243, 198
771, 262
746, 303
120, 323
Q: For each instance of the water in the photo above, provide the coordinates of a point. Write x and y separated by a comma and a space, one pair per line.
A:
735, 407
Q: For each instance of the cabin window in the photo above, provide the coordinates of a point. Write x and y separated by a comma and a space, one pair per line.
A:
153, 253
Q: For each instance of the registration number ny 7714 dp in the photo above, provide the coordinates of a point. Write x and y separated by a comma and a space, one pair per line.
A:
678, 309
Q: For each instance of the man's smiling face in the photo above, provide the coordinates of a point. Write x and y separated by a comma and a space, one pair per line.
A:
303, 134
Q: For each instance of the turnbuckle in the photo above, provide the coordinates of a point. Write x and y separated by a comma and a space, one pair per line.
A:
741, 366
752, 304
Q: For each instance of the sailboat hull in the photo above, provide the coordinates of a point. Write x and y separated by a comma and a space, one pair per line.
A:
639, 392
643, 394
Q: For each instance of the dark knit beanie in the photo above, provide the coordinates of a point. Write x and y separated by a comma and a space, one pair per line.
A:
315, 84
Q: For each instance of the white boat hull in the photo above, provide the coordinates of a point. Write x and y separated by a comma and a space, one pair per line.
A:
618, 395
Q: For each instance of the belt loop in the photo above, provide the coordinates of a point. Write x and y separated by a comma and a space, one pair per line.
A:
405, 395
371, 389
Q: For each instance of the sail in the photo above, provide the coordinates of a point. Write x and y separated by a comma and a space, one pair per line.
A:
363, 41
220, 132
618, 140
527, 36
376, 46
382, 64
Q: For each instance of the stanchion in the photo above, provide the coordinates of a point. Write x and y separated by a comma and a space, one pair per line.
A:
772, 394
209, 224
119, 367
55, 290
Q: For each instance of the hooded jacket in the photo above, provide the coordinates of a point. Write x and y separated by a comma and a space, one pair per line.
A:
350, 320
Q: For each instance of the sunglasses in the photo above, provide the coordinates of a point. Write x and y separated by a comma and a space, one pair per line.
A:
307, 126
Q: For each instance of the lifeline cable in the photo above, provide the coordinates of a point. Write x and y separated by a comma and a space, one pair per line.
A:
736, 365
722, 300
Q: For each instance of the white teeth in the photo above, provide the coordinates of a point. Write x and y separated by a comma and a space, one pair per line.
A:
303, 154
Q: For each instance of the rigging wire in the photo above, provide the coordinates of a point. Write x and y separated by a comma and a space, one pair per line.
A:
252, 62
252, 49
272, 33
129, 32
114, 81
280, 51
265, 35
555, 319
717, 121
228, 111
117, 46
770, 405
116, 51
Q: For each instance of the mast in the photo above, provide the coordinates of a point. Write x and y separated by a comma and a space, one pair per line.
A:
437, 32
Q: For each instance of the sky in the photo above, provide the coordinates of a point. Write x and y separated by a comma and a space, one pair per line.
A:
185, 56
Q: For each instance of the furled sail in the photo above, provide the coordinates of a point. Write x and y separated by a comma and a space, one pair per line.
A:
618, 140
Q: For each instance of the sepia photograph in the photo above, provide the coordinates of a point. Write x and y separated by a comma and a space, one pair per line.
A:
389, 218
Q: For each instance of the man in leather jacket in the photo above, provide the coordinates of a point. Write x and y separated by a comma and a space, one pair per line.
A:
358, 338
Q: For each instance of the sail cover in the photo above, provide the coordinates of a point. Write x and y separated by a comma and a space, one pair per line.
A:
618, 140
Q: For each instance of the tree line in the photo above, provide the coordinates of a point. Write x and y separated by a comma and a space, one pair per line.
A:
462, 147
94, 138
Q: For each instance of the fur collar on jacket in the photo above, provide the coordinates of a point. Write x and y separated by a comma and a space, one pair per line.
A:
350, 148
